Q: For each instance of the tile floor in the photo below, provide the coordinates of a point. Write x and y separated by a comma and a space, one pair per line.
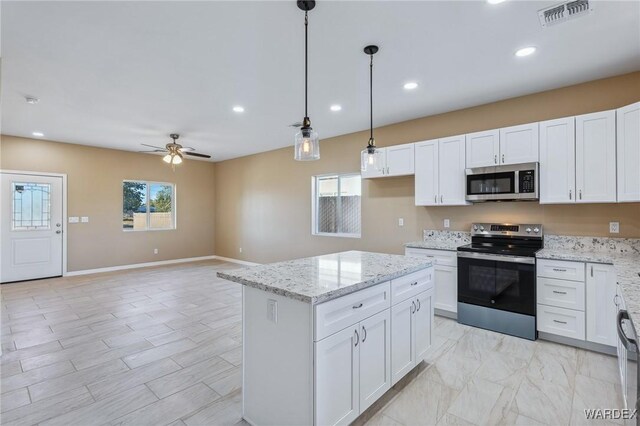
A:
163, 346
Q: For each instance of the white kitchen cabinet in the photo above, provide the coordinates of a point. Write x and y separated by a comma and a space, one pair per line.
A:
398, 160
483, 149
439, 170
411, 328
445, 276
519, 144
600, 306
596, 157
337, 378
375, 358
628, 149
557, 161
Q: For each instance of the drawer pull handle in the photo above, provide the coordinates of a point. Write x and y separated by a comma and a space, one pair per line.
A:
559, 270
413, 306
358, 306
364, 331
357, 338
559, 322
414, 283
559, 292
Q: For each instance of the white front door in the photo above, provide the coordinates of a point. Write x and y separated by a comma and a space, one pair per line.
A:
32, 226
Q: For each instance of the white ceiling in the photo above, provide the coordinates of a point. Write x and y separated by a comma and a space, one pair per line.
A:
117, 74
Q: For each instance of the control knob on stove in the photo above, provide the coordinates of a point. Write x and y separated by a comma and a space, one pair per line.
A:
528, 230
475, 227
536, 230
481, 228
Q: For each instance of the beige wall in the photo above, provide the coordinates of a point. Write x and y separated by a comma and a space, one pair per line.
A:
95, 178
263, 201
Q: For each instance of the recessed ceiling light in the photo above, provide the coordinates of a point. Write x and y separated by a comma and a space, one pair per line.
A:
38, 134
335, 108
411, 85
525, 51
31, 100
495, 1
238, 108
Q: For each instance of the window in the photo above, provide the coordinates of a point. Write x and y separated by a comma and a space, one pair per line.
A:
31, 206
336, 205
148, 206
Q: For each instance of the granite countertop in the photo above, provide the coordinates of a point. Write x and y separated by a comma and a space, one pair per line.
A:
441, 240
435, 245
321, 278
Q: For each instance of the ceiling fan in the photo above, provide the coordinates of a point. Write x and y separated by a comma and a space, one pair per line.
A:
175, 151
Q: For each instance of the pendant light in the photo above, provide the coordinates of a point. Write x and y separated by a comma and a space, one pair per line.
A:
307, 145
371, 157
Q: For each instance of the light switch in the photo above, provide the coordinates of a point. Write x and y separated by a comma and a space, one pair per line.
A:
400, 221
74, 219
84, 219
447, 223
272, 310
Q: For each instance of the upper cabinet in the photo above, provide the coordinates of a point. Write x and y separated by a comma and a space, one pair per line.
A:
510, 145
439, 170
398, 161
596, 157
483, 148
557, 161
628, 140
519, 144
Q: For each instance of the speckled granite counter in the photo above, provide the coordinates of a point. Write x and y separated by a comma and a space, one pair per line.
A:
321, 278
622, 253
441, 240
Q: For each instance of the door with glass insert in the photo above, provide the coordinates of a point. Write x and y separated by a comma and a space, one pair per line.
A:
32, 227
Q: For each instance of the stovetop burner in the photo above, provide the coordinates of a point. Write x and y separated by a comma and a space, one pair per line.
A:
505, 239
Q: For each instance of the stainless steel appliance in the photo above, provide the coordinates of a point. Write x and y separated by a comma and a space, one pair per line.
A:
503, 183
627, 356
497, 278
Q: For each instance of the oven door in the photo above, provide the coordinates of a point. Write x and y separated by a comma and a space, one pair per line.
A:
501, 282
492, 186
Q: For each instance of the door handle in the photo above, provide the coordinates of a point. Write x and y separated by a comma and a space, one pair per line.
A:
364, 331
591, 271
58, 232
440, 199
580, 194
435, 199
418, 302
570, 195
58, 225
495, 158
357, 338
503, 158
629, 344
413, 307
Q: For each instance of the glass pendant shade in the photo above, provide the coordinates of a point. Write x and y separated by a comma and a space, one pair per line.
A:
307, 146
172, 158
371, 160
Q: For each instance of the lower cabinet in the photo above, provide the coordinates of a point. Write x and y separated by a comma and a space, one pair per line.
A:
446, 276
601, 308
353, 369
411, 327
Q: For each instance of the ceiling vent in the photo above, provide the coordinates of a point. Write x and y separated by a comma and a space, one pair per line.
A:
565, 11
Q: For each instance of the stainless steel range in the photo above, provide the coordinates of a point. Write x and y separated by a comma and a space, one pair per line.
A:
497, 278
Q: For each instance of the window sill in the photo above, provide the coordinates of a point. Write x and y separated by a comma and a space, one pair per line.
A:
327, 234
148, 230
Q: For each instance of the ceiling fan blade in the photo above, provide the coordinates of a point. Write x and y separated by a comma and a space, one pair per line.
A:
155, 150
187, 149
153, 146
196, 154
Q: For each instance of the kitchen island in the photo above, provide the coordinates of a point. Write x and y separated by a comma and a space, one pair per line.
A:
324, 337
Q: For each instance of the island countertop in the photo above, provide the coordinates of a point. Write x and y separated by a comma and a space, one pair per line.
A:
321, 278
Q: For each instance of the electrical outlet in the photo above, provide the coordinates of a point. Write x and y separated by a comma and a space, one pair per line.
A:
400, 221
240, 249
84, 219
614, 227
74, 219
155, 251
447, 223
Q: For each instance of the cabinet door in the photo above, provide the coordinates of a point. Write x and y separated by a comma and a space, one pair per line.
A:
426, 169
596, 157
446, 285
452, 180
337, 379
483, 148
557, 161
601, 308
402, 343
375, 358
377, 173
400, 160
519, 144
628, 148
423, 324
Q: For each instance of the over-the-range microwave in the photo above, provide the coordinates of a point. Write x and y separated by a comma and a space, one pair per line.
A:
515, 182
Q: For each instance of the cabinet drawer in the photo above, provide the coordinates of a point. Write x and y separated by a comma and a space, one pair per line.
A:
410, 285
442, 257
334, 315
560, 269
561, 321
561, 293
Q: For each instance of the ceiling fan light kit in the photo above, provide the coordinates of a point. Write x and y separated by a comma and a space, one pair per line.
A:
307, 143
371, 157
174, 151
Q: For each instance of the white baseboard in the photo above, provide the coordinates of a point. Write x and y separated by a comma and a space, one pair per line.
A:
241, 262
137, 265
158, 263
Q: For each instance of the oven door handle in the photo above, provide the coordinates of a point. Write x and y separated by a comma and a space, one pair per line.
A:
628, 343
497, 257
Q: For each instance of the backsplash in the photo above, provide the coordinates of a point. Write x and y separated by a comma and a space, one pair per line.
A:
595, 244
453, 237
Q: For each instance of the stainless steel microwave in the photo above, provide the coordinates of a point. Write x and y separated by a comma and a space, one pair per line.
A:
503, 183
